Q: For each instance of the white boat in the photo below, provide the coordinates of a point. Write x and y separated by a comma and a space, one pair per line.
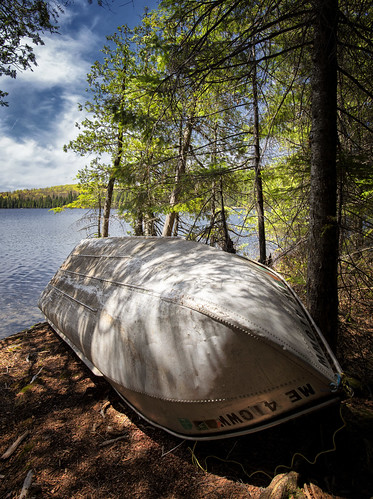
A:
201, 343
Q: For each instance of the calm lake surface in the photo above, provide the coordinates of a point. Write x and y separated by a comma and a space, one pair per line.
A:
33, 244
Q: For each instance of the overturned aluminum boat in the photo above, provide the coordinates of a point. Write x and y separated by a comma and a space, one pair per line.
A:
201, 343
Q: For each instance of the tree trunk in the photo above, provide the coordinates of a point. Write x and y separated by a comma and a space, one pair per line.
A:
176, 225
322, 289
107, 206
258, 173
99, 216
116, 165
110, 186
227, 241
180, 170
138, 225
149, 228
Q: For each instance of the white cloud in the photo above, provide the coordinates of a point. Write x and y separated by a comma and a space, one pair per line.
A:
43, 102
36, 166
43, 111
61, 61
29, 163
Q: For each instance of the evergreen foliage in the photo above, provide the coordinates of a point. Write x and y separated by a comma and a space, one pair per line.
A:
50, 197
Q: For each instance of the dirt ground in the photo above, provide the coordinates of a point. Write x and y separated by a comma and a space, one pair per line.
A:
79, 440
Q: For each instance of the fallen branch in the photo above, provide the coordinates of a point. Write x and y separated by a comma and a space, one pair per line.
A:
26, 485
104, 407
174, 448
112, 441
14, 446
36, 375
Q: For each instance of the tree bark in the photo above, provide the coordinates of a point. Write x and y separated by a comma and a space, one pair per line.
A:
227, 241
258, 172
107, 206
180, 170
138, 225
322, 289
149, 228
176, 225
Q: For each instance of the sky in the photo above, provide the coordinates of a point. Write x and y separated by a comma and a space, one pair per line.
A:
43, 103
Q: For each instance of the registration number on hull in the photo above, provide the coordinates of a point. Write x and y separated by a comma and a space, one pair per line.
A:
251, 413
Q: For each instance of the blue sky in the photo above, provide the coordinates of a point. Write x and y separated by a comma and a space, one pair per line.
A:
43, 103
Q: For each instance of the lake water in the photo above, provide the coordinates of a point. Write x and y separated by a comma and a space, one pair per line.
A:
33, 244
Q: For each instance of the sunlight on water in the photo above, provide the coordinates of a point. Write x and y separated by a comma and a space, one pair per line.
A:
33, 244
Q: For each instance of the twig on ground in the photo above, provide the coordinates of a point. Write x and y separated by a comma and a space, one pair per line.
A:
26, 485
112, 441
36, 375
14, 446
103, 408
174, 448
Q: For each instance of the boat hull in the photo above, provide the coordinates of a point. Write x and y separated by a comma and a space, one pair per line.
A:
201, 343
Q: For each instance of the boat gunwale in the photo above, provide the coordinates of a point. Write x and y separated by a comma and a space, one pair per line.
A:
322, 341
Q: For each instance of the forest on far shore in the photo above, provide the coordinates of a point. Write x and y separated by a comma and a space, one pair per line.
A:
47, 197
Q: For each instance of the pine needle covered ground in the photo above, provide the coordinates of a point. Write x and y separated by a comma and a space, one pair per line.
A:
77, 439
